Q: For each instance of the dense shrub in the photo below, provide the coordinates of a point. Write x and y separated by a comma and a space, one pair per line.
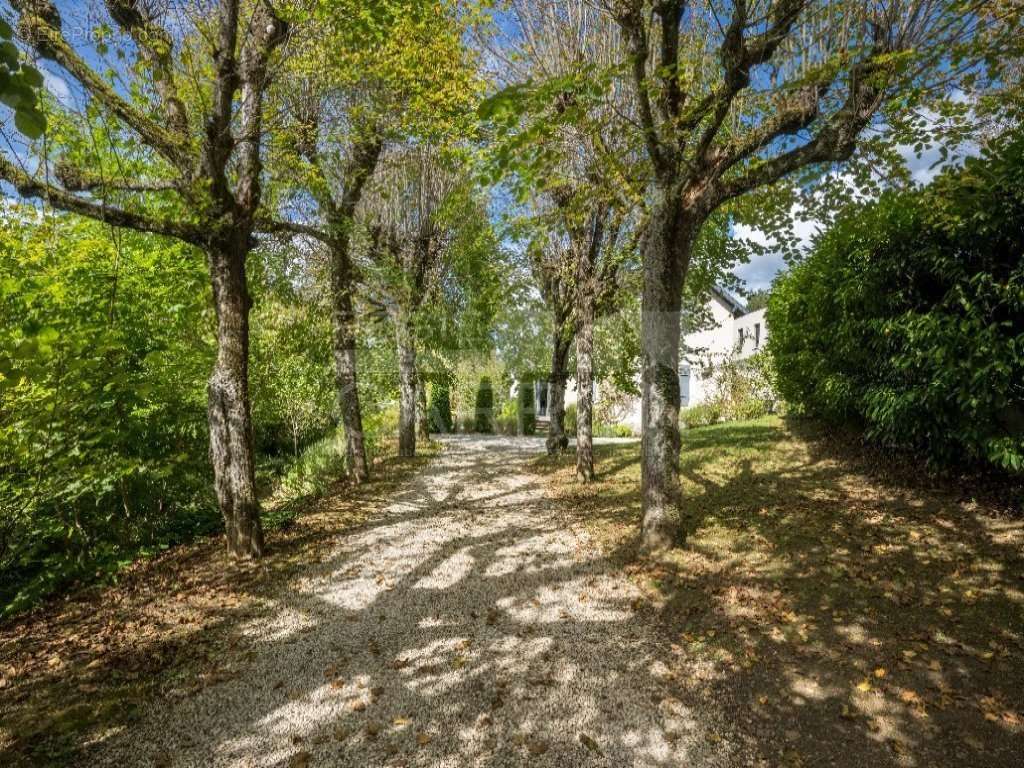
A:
744, 388
700, 415
106, 342
506, 421
440, 408
105, 345
907, 318
571, 420
526, 409
484, 411
319, 466
603, 429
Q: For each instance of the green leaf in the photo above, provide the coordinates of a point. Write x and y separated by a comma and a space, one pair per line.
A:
31, 123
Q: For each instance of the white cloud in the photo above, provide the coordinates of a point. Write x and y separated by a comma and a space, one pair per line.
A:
57, 86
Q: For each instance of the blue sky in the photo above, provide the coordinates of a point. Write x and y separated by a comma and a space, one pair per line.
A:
761, 270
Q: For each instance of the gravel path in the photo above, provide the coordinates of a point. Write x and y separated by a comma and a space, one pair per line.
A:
471, 625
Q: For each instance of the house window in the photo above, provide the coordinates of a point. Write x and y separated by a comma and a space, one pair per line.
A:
757, 335
739, 339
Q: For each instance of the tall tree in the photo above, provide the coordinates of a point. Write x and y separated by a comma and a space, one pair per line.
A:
408, 240
551, 263
565, 148
733, 97
593, 237
204, 187
369, 75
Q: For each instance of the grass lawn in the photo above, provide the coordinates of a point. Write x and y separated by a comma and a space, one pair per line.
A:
844, 609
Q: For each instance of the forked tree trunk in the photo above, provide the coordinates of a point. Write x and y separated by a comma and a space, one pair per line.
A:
585, 387
231, 444
406, 387
666, 254
422, 416
343, 323
557, 440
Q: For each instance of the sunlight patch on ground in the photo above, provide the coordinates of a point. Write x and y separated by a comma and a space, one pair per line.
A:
449, 573
282, 623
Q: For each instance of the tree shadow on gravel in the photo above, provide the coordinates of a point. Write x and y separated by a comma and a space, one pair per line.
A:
463, 625
841, 613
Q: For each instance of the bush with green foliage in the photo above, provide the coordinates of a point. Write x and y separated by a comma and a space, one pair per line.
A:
439, 411
571, 420
319, 466
744, 388
105, 346
506, 421
484, 411
106, 343
526, 410
700, 415
907, 318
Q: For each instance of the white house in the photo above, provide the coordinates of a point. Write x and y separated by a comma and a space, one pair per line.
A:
731, 331
734, 332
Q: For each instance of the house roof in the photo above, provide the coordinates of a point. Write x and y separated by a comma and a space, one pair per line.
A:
734, 305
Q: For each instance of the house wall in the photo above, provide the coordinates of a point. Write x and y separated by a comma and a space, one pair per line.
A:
745, 334
755, 332
711, 344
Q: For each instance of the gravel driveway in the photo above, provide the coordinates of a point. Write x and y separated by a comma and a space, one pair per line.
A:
470, 625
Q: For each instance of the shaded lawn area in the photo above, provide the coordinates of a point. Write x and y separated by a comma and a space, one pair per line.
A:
844, 609
80, 667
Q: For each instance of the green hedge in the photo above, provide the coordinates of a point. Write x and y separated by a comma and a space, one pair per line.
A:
907, 318
484, 413
527, 410
440, 409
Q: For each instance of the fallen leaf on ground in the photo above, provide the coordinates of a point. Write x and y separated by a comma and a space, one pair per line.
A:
590, 743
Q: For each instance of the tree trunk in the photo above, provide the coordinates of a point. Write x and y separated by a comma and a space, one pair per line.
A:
343, 321
406, 387
585, 386
557, 440
422, 416
231, 445
666, 254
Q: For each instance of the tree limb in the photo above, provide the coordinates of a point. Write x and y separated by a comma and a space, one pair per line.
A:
28, 187
40, 29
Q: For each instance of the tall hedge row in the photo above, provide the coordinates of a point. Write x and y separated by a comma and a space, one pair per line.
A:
907, 318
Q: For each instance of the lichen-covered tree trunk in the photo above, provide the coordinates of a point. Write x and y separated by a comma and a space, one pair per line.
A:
230, 421
585, 385
406, 386
561, 342
666, 253
343, 323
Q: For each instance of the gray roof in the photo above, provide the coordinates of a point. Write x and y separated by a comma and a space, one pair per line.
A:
736, 306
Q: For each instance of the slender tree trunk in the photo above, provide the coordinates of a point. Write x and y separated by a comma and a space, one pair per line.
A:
422, 416
666, 254
557, 440
231, 444
406, 387
343, 321
585, 385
